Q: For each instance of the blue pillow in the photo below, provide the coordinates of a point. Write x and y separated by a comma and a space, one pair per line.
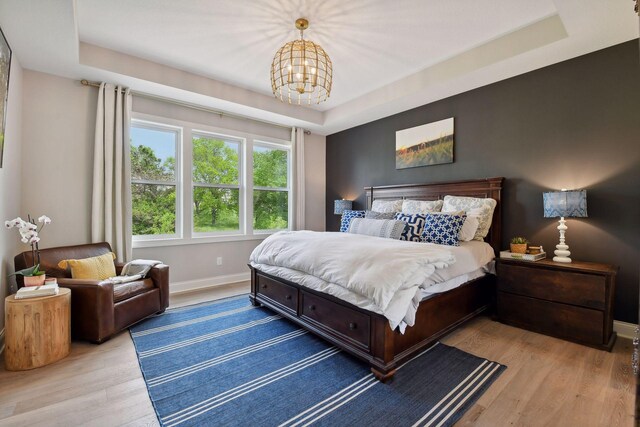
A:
347, 216
415, 224
443, 229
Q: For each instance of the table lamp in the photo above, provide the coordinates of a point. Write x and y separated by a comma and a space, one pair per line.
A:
339, 206
570, 204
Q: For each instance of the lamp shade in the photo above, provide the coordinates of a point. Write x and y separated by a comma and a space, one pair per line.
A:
339, 206
571, 204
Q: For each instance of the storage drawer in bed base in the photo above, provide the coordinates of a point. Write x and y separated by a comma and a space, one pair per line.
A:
365, 334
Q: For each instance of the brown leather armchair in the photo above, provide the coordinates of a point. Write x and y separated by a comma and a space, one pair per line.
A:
99, 309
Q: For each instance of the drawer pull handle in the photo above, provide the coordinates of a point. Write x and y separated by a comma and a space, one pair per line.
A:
287, 297
353, 326
312, 307
264, 286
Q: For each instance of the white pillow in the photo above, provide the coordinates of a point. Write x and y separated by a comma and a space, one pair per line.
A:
387, 205
389, 228
421, 206
469, 228
483, 207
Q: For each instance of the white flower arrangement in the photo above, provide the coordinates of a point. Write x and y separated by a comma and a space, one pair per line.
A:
29, 232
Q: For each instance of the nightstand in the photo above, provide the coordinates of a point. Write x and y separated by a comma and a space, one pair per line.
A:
573, 301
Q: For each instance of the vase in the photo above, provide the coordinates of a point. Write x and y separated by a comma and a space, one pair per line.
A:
519, 248
34, 280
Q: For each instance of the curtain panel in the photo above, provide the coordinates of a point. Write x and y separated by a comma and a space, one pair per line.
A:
111, 200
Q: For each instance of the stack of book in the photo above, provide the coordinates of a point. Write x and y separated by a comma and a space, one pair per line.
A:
523, 257
49, 288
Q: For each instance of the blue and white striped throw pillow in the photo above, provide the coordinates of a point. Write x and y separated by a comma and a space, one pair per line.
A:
415, 224
347, 216
443, 229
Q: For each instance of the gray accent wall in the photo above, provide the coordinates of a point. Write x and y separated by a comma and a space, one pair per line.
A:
575, 124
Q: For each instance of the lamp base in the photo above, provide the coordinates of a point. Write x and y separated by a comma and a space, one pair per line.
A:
562, 250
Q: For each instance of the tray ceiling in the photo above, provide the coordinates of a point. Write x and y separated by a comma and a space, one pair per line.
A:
387, 56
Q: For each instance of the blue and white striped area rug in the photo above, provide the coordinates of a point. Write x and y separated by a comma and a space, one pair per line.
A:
229, 363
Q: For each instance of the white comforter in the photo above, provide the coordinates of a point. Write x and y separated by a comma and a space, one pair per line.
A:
375, 268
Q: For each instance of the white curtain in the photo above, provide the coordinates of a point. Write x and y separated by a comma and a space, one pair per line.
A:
111, 202
297, 139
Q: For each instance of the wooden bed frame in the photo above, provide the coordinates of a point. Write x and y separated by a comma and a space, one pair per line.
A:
367, 335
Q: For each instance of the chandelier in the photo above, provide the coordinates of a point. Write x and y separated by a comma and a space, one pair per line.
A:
301, 71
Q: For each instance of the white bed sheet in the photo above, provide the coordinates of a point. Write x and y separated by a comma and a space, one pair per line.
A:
473, 259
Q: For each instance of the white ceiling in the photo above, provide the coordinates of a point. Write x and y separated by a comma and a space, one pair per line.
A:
388, 56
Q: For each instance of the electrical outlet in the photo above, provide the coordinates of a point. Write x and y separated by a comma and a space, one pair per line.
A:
219, 260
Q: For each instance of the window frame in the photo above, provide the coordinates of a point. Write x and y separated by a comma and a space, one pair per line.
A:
242, 143
185, 187
177, 173
288, 189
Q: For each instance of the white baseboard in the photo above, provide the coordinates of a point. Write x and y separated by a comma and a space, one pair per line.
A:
209, 282
2, 341
624, 329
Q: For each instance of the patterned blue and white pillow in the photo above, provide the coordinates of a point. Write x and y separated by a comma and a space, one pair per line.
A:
443, 229
415, 224
347, 216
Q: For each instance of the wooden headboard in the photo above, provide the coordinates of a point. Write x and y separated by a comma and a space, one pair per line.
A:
489, 187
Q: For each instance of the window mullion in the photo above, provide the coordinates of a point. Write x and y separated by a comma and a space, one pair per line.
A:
153, 182
187, 188
205, 185
248, 187
271, 188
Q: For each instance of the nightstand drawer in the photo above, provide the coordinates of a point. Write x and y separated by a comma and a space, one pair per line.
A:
588, 290
560, 320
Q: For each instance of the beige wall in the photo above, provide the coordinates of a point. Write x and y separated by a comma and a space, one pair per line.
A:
59, 122
179, 112
10, 184
315, 182
197, 262
58, 128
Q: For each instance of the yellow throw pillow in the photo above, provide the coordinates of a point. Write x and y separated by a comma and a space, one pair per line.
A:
95, 268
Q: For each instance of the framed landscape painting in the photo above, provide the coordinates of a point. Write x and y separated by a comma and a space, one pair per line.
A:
5, 65
426, 145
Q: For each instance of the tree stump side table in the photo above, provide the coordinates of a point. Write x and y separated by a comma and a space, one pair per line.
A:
37, 330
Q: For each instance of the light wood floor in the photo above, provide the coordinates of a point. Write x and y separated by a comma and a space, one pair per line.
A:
547, 382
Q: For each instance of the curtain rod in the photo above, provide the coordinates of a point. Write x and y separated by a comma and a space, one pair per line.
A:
86, 82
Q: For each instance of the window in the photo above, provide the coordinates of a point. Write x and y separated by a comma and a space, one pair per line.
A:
192, 183
216, 183
270, 187
154, 184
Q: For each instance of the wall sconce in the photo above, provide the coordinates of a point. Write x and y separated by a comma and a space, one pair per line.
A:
339, 206
571, 204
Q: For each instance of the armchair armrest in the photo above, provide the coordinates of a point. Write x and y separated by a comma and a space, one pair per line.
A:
119, 266
160, 277
91, 308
